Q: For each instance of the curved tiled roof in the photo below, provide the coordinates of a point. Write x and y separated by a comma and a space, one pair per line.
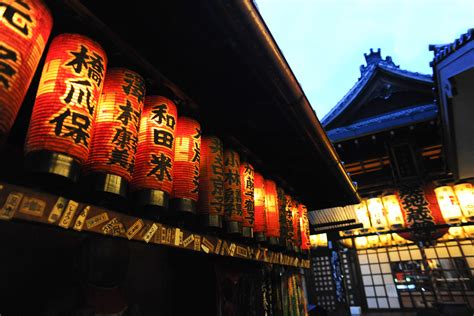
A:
443, 51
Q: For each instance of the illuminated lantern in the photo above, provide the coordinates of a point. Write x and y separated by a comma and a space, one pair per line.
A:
187, 156
232, 196
313, 239
282, 204
211, 182
361, 242
115, 132
465, 194
271, 213
456, 232
318, 240
152, 180
259, 198
59, 135
289, 223
384, 239
247, 180
362, 215
394, 212
376, 211
373, 240
304, 227
469, 230
24, 30
398, 240
347, 242
448, 204
296, 227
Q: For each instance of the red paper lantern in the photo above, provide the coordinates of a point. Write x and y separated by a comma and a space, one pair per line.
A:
247, 175
259, 198
67, 97
115, 133
304, 227
420, 209
282, 215
289, 222
211, 182
271, 212
186, 166
152, 180
296, 226
232, 196
24, 30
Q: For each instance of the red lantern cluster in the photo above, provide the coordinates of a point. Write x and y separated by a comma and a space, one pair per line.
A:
271, 210
247, 187
67, 97
115, 133
211, 177
24, 30
259, 198
232, 196
187, 159
156, 143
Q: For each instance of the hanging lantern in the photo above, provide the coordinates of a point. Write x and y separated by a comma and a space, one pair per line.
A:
211, 182
232, 196
304, 227
373, 241
313, 239
115, 132
377, 214
187, 156
59, 135
259, 198
296, 227
361, 242
347, 242
24, 30
289, 223
465, 194
271, 213
247, 188
282, 203
469, 230
394, 212
318, 240
362, 214
448, 204
152, 180
398, 240
385, 239
456, 232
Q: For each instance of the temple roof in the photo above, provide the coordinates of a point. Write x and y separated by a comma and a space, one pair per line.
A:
375, 124
441, 51
375, 64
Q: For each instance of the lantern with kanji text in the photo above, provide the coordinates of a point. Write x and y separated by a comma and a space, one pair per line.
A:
272, 216
259, 198
152, 180
211, 182
304, 227
282, 204
362, 214
232, 194
247, 187
289, 222
187, 155
448, 204
377, 213
113, 146
24, 30
59, 134
394, 212
465, 194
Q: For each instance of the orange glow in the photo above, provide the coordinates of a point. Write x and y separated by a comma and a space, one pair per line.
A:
25, 27
465, 194
304, 227
67, 97
271, 209
259, 194
247, 187
448, 204
232, 196
394, 212
377, 213
362, 214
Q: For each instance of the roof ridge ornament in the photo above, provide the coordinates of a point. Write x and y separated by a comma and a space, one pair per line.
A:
375, 58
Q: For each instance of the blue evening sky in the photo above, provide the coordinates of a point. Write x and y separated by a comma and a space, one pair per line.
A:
324, 41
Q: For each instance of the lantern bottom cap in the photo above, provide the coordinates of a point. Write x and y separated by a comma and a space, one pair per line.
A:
260, 237
107, 183
247, 232
234, 227
49, 162
151, 198
273, 241
183, 205
211, 221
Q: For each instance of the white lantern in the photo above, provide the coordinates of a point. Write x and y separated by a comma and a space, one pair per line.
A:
394, 212
361, 242
362, 215
465, 194
377, 214
448, 204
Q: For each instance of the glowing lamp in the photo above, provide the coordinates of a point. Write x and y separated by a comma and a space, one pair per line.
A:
59, 135
271, 213
187, 155
152, 180
289, 222
465, 194
469, 230
373, 240
304, 228
398, 240
259, 199
318, 240
282, 204
211, 182
247, 187
347, 242
394, 212
448, 204
361, 242
232, 194
362, 215
24, 30
296, 226
376, 211
313, 239
456, 232
115, 132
